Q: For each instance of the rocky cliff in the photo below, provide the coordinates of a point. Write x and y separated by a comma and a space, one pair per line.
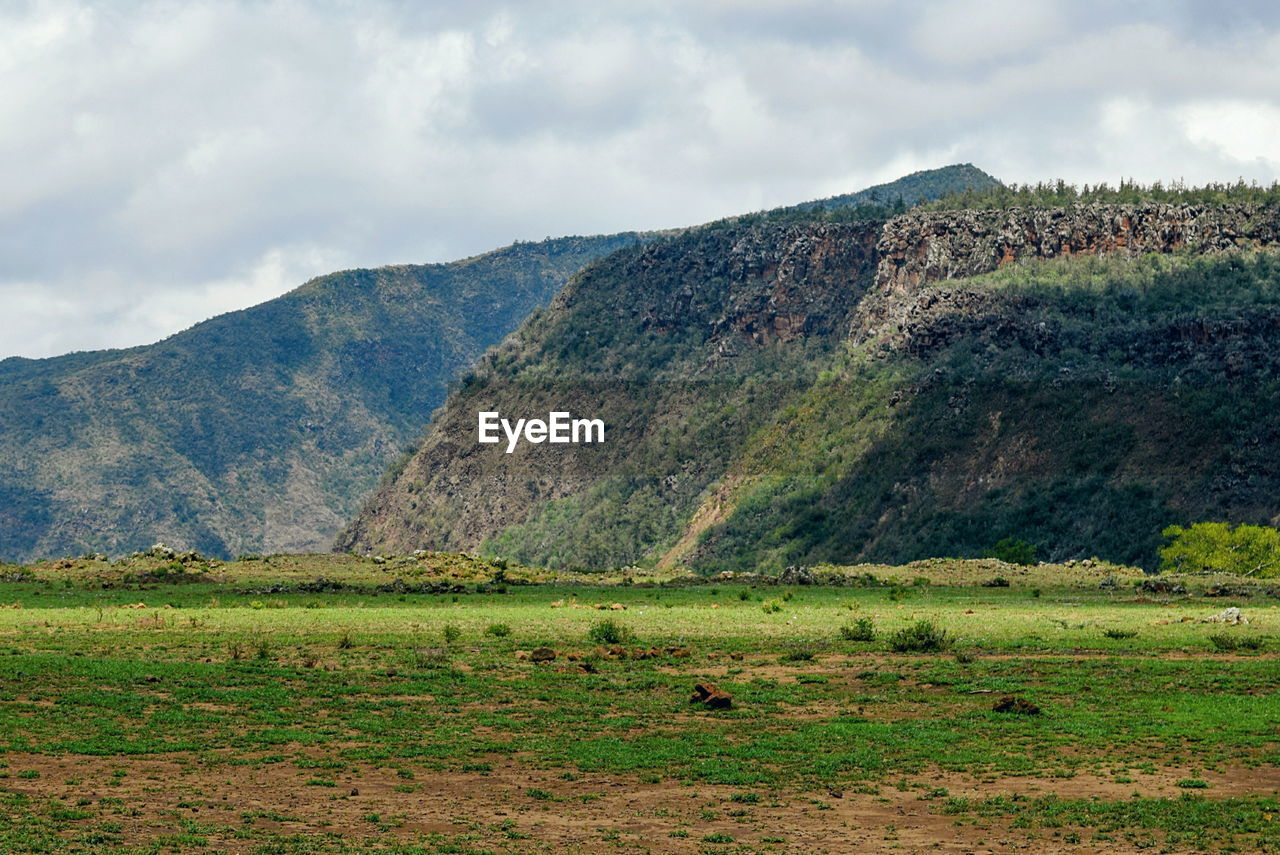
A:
780, 393
1077, 377
930, 246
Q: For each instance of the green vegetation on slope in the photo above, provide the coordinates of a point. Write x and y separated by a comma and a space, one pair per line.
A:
914, 189
684, 348
1081, 405
260, 429
674, 347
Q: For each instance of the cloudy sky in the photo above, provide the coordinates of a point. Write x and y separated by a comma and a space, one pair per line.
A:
162, 162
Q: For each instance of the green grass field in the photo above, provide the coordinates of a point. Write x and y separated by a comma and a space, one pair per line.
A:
219, 709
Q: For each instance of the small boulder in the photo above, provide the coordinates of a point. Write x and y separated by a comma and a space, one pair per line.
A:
711, 697
1228, 591
1161, 586
542, 654
1232, 617
1016, 705
794, 575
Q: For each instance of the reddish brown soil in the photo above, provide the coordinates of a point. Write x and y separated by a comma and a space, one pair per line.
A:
592, 813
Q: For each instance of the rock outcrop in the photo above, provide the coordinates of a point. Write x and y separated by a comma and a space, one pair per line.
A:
927, 246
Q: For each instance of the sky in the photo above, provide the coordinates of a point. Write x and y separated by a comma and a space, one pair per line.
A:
164, 162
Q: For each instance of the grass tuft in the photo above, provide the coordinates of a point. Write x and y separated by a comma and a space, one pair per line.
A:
862, 629
923, 636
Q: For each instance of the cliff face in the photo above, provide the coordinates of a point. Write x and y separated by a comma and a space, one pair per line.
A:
774, 394
930, 246
927, 246
1078, 378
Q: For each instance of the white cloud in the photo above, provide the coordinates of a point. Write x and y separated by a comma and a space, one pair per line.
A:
163, 161
1247, 132
959, 32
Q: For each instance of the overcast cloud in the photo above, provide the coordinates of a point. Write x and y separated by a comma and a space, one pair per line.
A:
162, 162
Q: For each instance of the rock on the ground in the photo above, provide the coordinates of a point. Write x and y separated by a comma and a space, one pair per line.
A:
711, 697
1232, 616
1016, 705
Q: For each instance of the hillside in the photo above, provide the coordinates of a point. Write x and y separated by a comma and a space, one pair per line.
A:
794, 391
258, 430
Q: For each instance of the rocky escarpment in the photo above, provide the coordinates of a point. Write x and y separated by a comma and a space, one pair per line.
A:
1123, 381
925, 246
780, 283
781, 393
920, 247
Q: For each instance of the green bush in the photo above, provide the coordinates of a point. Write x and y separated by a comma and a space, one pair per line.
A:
1013, 551
498, 630
863, 629
1227, 642
923, 636
609, 631
1215, 547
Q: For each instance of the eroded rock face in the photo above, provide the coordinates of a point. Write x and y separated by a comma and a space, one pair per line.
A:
926, 246
920, 247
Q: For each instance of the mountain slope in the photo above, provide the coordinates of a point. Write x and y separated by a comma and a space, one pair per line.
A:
1081, 405
258, 430
802, 391
683, 347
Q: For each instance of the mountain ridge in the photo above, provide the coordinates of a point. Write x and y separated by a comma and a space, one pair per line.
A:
256, 430
919, 362
261, 430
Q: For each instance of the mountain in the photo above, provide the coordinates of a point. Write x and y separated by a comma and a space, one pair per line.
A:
258, 430
784, 390
928, 184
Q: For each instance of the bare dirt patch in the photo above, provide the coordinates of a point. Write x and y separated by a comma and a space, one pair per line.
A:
547, 812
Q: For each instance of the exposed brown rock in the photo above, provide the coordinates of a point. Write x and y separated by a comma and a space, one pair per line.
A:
711, 697
1016, 705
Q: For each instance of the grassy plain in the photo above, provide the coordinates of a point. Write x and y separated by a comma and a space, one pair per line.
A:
151, 707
